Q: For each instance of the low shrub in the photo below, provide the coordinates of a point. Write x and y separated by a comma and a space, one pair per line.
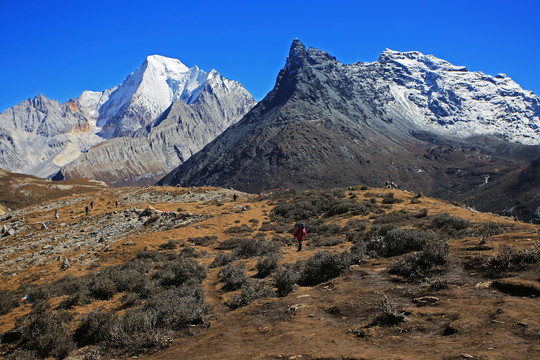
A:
101, 287
394, 217
388, 313
221, 259
178, 272
190, 252
510, 259
319, 227
36, 292
231, 244
420, 265
451, 225
151, 255
233, 276
130, 300
285, 280
125, 277
251, 291
178, 307
47, 333
96, 327
332, 241
390, 199
81, 297
8, 301
239, 229
254, 247
169, 245
203, 240
356, 225
324, 266
489, 229
265, 265
359, 252
400, 241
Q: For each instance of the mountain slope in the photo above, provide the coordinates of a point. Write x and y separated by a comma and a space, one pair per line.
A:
179, 132
327, 124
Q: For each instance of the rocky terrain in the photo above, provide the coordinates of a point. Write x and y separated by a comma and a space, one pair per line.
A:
175, 272
407, 117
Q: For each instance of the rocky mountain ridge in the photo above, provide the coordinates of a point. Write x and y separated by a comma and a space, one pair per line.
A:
327, 124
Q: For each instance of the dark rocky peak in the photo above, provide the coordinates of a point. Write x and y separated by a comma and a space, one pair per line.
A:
297, 56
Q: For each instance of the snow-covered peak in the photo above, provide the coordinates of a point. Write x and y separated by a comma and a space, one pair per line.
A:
416, 58
166, 65
147, 92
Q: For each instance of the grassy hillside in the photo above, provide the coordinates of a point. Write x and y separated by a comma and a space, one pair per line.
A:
190, 273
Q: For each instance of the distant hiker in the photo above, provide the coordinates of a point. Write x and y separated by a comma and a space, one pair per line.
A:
235, 197
116, 203
92, 204
56, 214
86, 209
300, 235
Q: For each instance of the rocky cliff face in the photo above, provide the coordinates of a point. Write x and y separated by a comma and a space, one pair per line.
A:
40, 136
406, 117
179, 132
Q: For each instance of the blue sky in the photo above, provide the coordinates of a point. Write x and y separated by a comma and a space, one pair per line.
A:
61, 48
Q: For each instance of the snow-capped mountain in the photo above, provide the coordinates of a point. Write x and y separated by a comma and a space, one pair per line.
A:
147, 92
39, 136
449, 100
179, 132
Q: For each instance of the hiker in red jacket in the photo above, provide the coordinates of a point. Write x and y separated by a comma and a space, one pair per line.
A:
300, 235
